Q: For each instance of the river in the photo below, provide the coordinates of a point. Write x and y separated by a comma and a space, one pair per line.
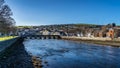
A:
70, 54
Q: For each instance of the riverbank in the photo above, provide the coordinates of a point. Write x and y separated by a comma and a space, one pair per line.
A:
7, 38
15, 56
106, 42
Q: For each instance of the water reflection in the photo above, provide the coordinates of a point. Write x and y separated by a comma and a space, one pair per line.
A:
69, 54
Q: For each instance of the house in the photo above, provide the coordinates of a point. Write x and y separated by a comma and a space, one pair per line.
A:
110, 33
117, 32
88, 32
45, 32
63, 33
55, 33
96, 33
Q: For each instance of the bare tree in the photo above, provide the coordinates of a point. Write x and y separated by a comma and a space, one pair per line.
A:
7, 23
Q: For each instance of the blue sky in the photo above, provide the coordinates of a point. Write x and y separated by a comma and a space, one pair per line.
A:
45, 12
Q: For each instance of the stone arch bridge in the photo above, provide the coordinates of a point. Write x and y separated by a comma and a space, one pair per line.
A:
42, 37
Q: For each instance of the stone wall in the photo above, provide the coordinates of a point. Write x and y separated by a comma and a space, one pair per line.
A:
8, 43
90, 38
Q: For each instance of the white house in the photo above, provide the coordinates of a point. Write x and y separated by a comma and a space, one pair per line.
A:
45, 32
56, 33
89, 35
80, 34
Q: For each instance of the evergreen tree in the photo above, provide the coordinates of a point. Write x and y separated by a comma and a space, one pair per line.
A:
113, 25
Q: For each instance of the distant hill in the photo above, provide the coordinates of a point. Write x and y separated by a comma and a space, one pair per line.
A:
77, 25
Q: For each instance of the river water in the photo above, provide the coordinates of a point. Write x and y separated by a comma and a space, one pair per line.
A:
70, 54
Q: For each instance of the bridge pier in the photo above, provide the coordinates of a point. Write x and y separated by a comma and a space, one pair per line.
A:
47, 37
42, 38
51, 37
38, 38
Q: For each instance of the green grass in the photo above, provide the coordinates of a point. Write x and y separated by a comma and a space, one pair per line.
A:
7, 38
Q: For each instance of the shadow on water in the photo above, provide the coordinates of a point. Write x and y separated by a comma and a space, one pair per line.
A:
15, 57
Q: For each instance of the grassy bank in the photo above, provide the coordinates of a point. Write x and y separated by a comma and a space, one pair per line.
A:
7, 38
107, 43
